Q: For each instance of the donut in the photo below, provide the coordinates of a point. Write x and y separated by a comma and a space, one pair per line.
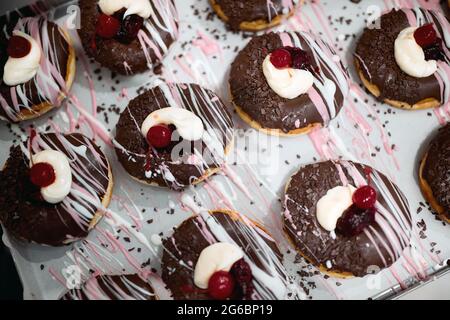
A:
222, 243
128, 37
57, 195
254, 15
434, 173
287, 83
404, 62
174, 135
347, 219
37, 68
113, 287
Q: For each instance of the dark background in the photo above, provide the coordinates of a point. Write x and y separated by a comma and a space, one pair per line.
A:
10, 286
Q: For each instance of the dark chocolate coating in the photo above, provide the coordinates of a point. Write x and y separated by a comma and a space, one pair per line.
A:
59, 46
347, 254
249, 11
437, 168
189, 243
29, 218
111, 53
107, 286
252, 93
376, 50
139, 155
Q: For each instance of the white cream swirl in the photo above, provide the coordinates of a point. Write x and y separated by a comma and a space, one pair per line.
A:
217, 257
20, 70
410, 57
189, 126
332, 205
288, 83
142, 8
60, 188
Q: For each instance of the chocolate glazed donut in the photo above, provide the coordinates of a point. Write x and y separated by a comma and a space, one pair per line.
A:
30, 218
263, 109
377, 247
378, 69
434, 174
142, 53
183, 248
253, 15
106, 287
57, 70
166, 167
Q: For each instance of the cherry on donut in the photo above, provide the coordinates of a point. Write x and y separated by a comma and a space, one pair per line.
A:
435, 51
159, 136
221, 285
129, 28
42, 174
355, 220
365, 197
18, 47
107, 26
242, 272
281, 58
425, 35
300, 59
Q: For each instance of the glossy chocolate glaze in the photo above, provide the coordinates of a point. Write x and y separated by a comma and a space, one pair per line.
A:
375, 54
437, 168
22, 211
347, 254
186, 244
253, 95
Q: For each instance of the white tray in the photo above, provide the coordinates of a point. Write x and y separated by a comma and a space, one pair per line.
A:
42, 269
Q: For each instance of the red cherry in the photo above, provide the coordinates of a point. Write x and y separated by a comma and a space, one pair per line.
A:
18, 47
42, 174
221, 285
159, 136
425, 35
107, 26
365, 197
242, 272
355, 220
281, 58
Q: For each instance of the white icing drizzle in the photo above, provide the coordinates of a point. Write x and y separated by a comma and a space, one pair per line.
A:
48, 80
110, 287
163, 18
83, 200
417, 17
392, 221
271, 280
20, 70
217, 127
332, 79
